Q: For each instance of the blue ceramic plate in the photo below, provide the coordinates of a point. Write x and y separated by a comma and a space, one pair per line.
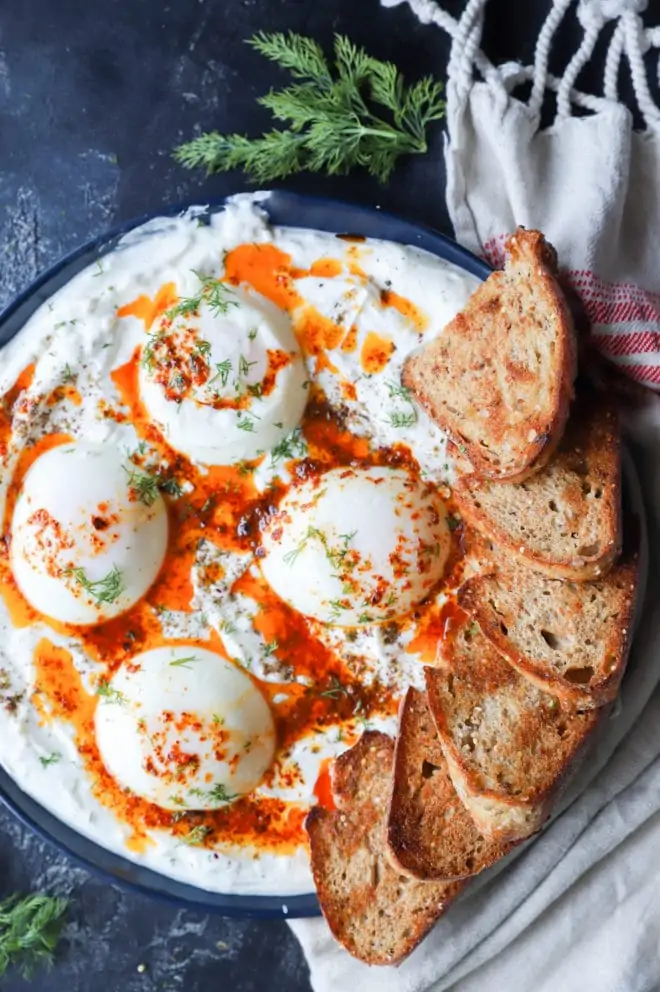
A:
283, 209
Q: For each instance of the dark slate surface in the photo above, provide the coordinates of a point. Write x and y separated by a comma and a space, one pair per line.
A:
93, 96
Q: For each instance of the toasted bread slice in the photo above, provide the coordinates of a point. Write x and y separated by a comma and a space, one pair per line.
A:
430, 833
499, 378
571, 639
378, 915
566, 520
508, 745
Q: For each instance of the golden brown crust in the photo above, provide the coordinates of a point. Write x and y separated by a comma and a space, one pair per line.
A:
430, 833
573, 640
377, 914
508, 745
565, 522
499, 378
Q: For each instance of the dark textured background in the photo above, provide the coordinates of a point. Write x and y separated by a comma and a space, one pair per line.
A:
93, 97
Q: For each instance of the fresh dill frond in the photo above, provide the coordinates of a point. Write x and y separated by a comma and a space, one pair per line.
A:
105, 590
30, 928
244, 366
196, 836
148, 358
104, 689
68, 375
222, 370
144, 486
49, 759
217, 794
396, 389
398, 419
171, 487
291, 446
356, 113
335, 689
184, 662
212, 292
186, 307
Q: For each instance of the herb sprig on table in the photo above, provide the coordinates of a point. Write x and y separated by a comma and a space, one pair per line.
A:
30, 928
356, 113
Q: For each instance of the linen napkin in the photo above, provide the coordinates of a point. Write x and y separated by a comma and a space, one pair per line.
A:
578, 907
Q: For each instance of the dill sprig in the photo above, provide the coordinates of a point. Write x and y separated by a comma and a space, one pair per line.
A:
196, 836
184, 662
30, 928
144, 486
104, 689
105, 590
356, 113
222, 372
406, 417
212, 292
217, 794
291, 446
399, 419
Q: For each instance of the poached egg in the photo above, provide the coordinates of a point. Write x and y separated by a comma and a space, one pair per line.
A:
184, 728
84, 545
356, 546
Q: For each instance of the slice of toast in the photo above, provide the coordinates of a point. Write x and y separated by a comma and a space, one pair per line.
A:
571, 639
499, 378
508, 745
378, 915
566, 520
430, 833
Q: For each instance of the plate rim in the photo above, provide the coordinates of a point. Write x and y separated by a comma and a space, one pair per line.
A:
283, 208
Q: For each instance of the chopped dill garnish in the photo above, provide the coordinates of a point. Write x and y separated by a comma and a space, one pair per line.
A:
196, 836
171, 487
148, 358
105, 590
218, 794
50, 759
184, 662
145, 486
335, 689
104, 689
291, 446
244, 366
398, 419
222, 370
212, 292
399, 391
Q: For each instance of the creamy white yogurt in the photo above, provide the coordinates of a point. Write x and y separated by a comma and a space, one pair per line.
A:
79, 333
